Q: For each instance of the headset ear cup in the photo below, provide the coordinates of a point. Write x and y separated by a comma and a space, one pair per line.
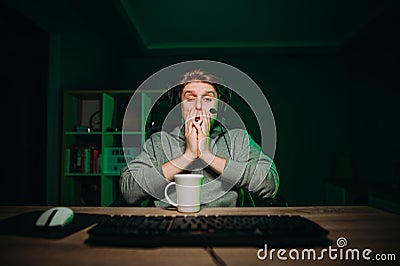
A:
221, 107
225, 99
173, 98
170, 98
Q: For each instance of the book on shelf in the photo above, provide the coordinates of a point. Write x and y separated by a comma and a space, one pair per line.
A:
95, 161
82, 160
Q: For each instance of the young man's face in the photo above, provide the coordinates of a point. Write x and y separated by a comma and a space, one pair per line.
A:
199, 96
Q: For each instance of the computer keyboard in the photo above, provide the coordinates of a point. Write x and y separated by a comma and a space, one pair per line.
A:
211, 230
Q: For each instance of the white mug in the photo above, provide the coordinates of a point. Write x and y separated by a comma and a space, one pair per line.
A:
188, 192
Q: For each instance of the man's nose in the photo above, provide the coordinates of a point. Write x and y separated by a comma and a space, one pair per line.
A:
198, 103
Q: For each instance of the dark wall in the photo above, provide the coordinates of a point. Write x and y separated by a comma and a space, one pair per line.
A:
24, 109
372, 75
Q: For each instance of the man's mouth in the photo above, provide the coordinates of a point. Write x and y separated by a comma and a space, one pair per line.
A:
197, 118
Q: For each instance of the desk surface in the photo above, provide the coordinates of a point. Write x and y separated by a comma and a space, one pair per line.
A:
363, 227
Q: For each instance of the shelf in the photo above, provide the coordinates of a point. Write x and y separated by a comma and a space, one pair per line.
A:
124, 133
89, 174
111, 174
79, 106
82, 133
82, 174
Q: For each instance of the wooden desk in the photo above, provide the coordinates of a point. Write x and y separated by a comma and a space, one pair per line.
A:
363, 227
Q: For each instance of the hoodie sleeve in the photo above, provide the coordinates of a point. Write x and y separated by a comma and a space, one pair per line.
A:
143, 176
249, 167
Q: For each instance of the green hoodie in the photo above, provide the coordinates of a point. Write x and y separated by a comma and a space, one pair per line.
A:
247, 167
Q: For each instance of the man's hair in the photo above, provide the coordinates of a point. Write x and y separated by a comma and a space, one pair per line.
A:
175, 93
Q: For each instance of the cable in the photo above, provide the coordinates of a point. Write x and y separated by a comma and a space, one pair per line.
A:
217, 259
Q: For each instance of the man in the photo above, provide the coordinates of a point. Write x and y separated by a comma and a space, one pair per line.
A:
231, 162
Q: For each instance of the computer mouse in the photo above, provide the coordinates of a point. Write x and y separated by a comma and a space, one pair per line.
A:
57, 216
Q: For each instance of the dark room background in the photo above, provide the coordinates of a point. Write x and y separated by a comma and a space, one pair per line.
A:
335, 105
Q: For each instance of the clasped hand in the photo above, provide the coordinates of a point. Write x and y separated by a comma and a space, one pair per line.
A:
197, 130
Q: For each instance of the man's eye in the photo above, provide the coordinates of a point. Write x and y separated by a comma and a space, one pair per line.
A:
190, 99
208, 99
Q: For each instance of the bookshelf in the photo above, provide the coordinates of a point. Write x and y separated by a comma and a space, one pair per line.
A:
92, 154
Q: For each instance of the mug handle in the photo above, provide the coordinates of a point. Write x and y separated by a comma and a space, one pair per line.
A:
166, 194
